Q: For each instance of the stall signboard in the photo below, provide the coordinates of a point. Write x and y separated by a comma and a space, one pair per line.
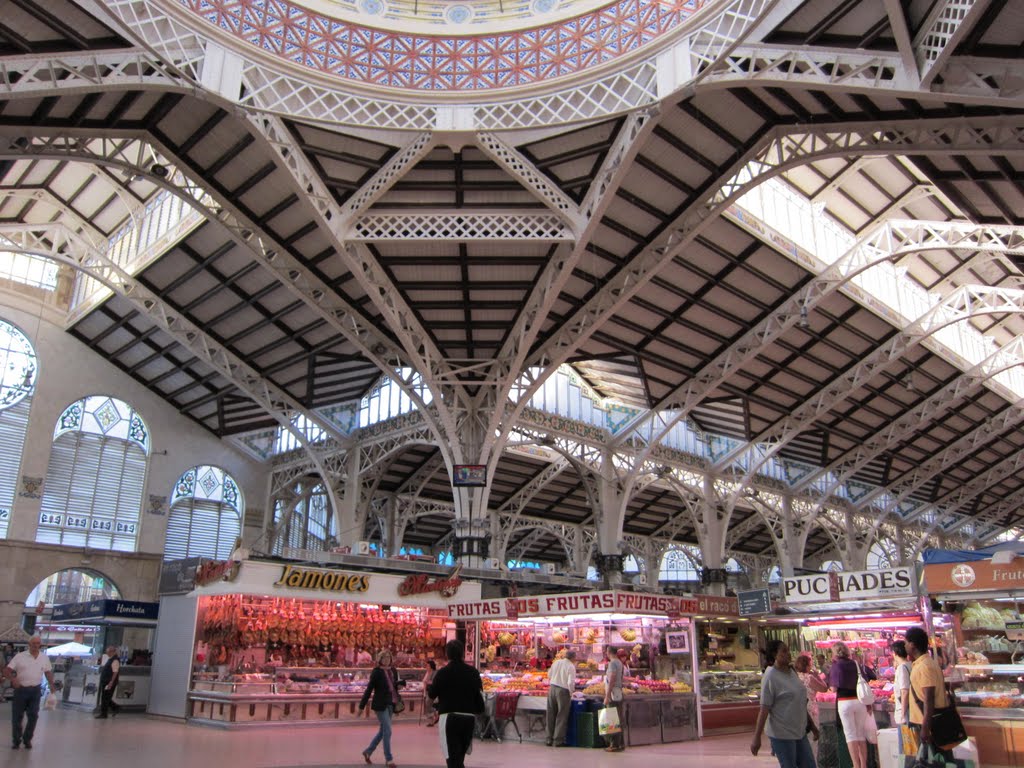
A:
178, 577
603, 601
974, 576
112, 611
853, 585
753, 602
351, 585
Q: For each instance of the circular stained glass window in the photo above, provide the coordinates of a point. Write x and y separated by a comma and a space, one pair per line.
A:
18, 359
459, 14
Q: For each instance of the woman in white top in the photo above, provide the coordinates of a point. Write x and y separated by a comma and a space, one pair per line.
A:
901, 684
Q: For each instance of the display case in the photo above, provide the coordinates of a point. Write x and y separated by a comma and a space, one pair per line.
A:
729, 700
991, 704
327, 695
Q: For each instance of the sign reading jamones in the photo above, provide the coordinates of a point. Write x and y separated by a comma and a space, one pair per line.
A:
853, 585
606, 601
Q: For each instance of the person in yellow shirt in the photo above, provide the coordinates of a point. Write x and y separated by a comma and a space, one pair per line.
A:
927, 687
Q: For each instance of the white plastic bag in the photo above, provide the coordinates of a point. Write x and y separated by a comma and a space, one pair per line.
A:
608, 721
51, 702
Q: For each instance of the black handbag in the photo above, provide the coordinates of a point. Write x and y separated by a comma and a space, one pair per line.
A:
947, 729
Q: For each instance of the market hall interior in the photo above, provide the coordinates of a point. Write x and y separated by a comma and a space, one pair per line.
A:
70, 737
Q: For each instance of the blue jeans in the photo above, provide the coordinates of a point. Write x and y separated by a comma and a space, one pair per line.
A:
383, 734
25, 706
793, 753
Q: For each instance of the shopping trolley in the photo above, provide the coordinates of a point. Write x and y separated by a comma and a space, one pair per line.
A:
499, 711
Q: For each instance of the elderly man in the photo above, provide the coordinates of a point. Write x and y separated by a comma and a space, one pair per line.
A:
26, 671
562, 680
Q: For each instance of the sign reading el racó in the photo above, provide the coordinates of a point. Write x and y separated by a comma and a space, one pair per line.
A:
853, 585
606, 601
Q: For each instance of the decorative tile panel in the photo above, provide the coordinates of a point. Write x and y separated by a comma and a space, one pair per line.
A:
406, 60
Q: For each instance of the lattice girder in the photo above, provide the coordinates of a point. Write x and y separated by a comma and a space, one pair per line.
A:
466, 225
948, 22
57, 242
136, 152
783, 148
965, 303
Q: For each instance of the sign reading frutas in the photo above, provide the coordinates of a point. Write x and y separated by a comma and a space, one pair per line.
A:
854, 585
419, 584
328, 581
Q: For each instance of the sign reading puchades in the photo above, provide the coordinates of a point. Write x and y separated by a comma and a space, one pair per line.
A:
853, 585
604, 601
107, 612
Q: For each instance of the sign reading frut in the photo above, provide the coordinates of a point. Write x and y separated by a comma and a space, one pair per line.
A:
853, 585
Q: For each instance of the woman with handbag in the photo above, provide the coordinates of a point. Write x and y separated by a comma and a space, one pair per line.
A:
784, 710
853, 713
383, 685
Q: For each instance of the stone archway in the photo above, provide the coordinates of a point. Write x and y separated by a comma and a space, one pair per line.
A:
26, 564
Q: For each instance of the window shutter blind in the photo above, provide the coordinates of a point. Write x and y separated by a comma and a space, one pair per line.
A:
13, 425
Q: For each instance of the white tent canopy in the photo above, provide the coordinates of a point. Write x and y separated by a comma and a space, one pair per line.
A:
69, 649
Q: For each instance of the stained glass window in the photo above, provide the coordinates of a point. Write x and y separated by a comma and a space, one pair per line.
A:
94, 484
206, 515
17, 382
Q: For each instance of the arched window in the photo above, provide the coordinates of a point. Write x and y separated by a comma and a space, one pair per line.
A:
680, 564
308, 522
206, 515
881, 555
97, 472
18, 366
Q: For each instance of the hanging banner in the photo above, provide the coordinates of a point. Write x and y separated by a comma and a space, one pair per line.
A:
853, 585
604, 601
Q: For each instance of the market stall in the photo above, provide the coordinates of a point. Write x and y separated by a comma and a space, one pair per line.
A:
655, 633
257, 643
986, 594
866, 610
128, 626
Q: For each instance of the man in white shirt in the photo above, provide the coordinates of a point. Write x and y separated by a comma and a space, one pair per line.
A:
562, 680
26, 671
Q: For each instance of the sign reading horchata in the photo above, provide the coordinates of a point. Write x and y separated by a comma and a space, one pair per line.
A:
853, 585
606, 601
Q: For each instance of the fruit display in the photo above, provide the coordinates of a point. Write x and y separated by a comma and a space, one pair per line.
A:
559, 637
978, 616
589, 636
1000, 702
628, 634
506, 639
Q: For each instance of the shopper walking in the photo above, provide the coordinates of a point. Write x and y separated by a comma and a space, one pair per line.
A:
613, 677
383, 685
109, 673
927, 689
26, 672
852, 713
460, 698
784, 710
562, 680
429, 705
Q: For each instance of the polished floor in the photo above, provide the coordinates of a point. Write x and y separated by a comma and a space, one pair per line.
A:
73, 738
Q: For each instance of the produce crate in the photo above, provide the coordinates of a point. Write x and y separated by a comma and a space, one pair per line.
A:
586, 730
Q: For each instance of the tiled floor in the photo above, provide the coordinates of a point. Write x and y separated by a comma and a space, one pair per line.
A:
73, 738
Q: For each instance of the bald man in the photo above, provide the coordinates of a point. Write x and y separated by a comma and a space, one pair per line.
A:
26, 671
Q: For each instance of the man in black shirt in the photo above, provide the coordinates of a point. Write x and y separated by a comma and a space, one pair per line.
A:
459, 693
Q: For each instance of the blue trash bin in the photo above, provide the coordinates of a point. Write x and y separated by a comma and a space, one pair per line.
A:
571, 737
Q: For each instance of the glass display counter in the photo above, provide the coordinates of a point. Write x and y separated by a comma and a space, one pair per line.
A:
328, 695
729, 700
991, 704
